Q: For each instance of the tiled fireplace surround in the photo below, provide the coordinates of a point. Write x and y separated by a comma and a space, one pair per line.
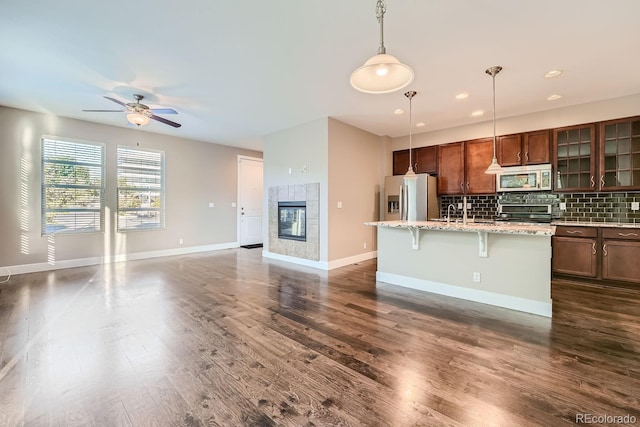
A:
309, 193
583, 207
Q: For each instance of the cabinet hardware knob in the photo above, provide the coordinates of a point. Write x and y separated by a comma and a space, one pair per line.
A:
593, 182
628, 234
593, 247
604, 249
574, 232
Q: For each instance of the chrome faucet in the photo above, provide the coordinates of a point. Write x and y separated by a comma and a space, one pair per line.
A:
448, 211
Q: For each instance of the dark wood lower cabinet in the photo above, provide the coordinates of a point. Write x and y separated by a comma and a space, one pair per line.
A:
575, 256
607, 254
621, 260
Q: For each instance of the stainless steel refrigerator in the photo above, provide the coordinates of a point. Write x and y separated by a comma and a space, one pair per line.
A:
395, 198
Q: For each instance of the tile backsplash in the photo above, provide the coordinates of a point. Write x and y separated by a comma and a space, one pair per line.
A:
584, 207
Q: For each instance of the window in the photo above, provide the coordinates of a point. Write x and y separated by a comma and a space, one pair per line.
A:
140, 189
72, 186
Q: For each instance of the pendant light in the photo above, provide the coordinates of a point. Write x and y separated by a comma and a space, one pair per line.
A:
410, 179
494, 168
410, 171
381, 73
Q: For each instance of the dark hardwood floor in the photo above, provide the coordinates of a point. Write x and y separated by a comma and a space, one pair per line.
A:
229, 339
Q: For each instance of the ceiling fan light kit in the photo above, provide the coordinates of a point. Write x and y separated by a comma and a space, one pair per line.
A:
137, 119
381, 73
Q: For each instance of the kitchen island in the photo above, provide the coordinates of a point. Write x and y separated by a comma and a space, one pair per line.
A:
502, 264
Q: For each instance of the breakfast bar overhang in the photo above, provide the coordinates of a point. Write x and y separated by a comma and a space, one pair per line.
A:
502, 264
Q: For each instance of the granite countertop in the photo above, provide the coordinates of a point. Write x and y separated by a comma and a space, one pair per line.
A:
497, 227
594, 224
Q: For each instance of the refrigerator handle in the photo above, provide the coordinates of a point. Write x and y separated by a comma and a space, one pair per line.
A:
403, 201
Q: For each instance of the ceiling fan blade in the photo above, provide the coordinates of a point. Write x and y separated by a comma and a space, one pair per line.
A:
163, 111
165, 121
104, 111
116, 101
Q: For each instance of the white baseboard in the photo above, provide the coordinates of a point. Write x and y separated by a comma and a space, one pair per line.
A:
295, 260
82, 262
337, 263
322, 265
514, 303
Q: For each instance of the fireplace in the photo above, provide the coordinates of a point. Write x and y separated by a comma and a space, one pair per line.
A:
292, 220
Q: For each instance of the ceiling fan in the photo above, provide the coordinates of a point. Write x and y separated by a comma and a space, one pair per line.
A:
139, 114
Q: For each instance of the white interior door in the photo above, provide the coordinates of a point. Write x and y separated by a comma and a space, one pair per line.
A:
250, 200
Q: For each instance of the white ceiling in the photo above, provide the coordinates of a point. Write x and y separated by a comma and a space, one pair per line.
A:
238, 70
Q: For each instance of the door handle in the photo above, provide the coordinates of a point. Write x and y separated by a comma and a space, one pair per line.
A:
628, 234
526, 156
593, 182
462, 186
604, 249
602, 181
574, 232
593, 247
519, 157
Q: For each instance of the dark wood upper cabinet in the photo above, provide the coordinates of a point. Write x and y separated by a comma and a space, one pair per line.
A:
451, 168
478, 155
426, 160
619, 159
400, 162
509, 150
574, 158
461, 167
531, 148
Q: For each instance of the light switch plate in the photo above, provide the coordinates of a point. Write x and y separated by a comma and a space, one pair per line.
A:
211, 204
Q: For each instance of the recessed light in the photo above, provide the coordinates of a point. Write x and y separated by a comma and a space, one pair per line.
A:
420, 124
477, 113
554, 97
398, 111
462, 95
553, 73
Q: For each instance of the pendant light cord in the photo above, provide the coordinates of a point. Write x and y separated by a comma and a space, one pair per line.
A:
410, 95
494, 115
381, 8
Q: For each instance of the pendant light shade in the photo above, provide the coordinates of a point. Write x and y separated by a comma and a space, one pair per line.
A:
494, 168
381, 73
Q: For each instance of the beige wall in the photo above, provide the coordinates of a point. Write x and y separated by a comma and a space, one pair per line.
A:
303, 149
356, 170
566, 116
196, 173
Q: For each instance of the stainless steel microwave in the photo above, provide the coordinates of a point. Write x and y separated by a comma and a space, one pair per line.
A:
524, 178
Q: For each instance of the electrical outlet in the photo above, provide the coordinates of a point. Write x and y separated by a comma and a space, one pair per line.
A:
476, 277
233, 204
181, 241
365, 245
563, 206
211, 204
468, 206
459, 205
635, 206
339, 205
